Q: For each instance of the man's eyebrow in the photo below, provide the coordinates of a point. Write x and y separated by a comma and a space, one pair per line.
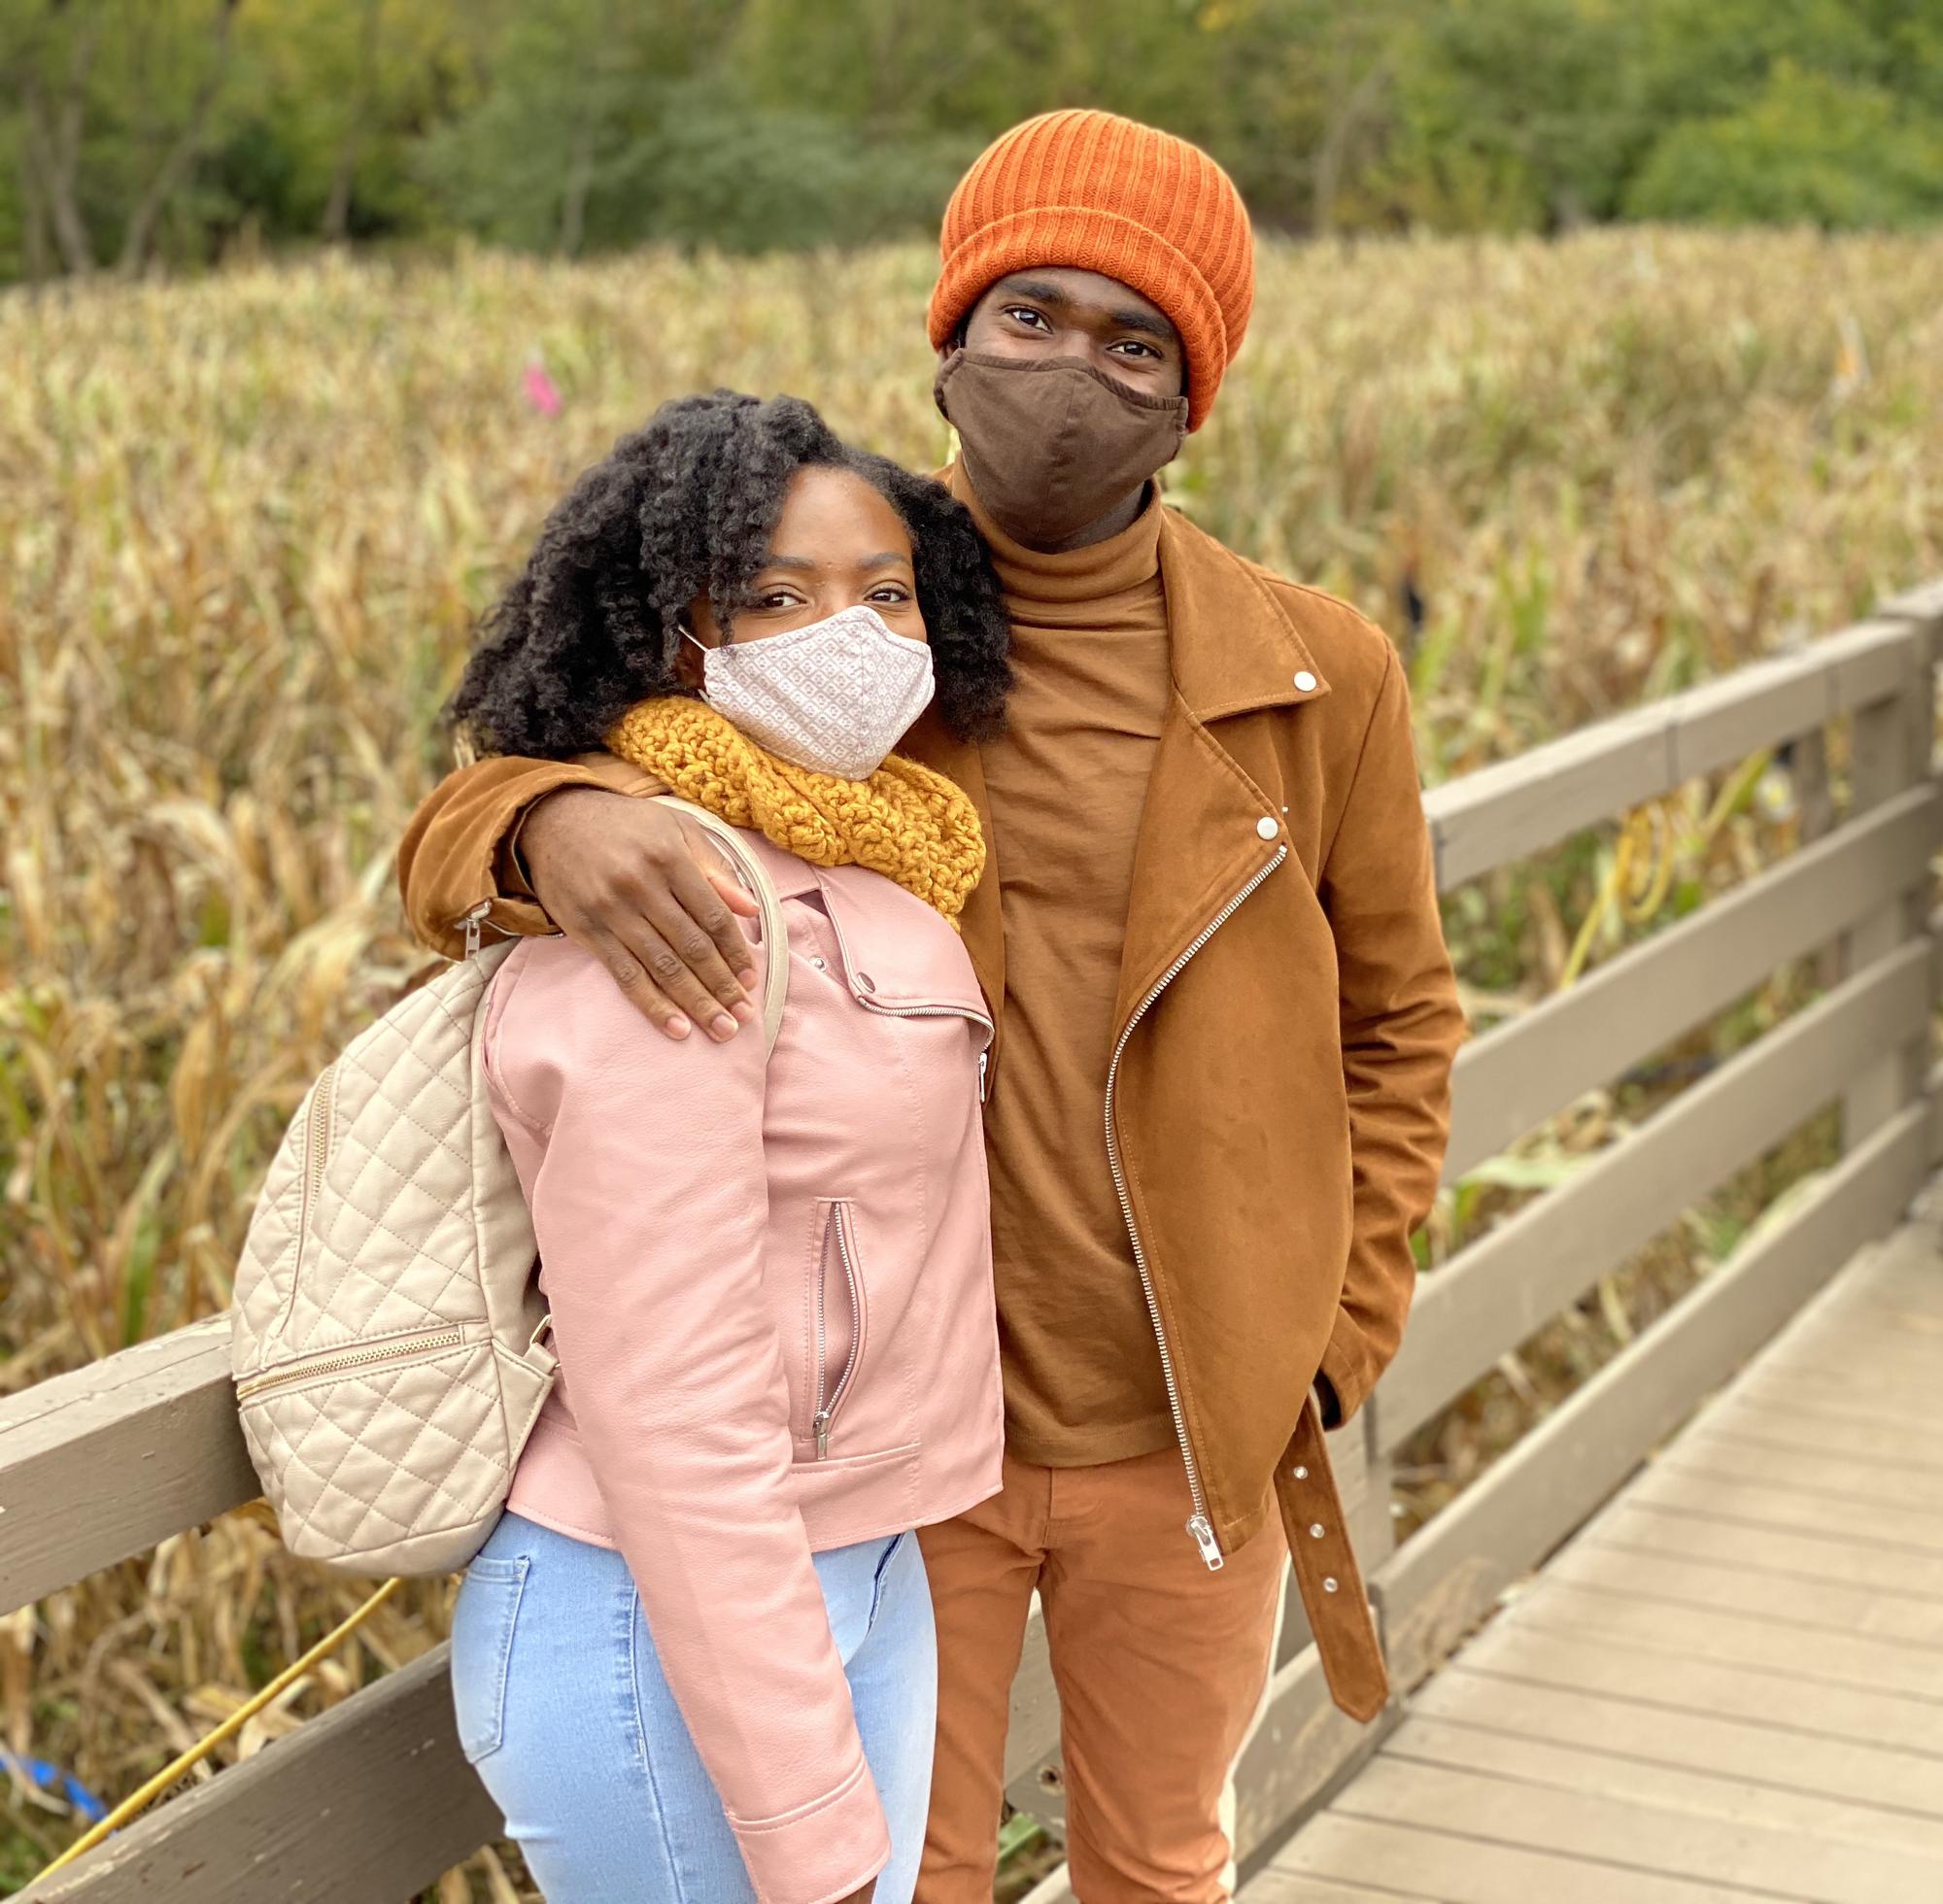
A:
1037, 289
1149, 322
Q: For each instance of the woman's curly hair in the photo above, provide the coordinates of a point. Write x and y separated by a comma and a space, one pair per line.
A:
683, 507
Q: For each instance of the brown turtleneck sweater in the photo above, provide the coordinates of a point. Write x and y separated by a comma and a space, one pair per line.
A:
1066, 784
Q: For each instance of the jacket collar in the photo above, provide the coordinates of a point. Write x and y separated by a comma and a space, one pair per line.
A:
1236, 648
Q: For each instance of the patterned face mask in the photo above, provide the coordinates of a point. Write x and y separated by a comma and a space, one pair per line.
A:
836, 696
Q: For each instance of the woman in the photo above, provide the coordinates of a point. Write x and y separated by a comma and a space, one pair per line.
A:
695, 1660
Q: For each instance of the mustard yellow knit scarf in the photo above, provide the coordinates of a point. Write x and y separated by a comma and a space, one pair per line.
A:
912, 825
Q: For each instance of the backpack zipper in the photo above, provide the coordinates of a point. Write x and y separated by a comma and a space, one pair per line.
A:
316, 1148
1199, 1526
826, 1411
351, 1359
317, 1155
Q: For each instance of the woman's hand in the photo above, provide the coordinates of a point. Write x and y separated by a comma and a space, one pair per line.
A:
643, 889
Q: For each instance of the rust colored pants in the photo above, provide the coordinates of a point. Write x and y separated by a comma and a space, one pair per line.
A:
1160, 1666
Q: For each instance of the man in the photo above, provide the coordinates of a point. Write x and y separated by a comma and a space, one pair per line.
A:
1209, 931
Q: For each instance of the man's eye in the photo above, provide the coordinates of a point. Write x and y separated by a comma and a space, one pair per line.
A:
1027, 315
1133, 347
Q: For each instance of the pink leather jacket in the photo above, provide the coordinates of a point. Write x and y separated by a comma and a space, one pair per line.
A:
772, 1293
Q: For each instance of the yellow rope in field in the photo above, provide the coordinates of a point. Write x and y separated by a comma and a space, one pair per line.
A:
208, 1742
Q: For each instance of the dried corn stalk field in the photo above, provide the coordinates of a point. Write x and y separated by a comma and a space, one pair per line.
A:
246, 525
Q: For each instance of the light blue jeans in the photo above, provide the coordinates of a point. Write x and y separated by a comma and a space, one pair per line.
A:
563, 1711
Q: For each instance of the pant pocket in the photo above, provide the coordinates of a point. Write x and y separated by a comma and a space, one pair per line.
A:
482, 1649
881, 1579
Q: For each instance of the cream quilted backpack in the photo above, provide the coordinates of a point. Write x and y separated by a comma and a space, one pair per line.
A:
387, 1339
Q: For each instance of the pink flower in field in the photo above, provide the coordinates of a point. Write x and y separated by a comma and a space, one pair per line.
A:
541, 391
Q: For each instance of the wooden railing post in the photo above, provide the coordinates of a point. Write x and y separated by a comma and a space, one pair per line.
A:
1891, 748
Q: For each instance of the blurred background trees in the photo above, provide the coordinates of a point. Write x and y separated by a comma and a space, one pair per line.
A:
136, 132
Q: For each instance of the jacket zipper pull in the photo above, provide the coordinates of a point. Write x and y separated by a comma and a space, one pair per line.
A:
1202, 1531
472, 920
820, 1427
984, 1065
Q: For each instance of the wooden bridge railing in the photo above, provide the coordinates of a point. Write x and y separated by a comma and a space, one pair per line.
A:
372, 1800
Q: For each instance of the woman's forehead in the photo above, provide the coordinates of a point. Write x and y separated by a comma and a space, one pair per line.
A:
826, 511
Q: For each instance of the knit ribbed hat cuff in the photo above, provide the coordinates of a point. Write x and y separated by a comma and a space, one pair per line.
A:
1082, 238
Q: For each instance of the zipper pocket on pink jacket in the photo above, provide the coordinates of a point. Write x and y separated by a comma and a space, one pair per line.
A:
839, 1276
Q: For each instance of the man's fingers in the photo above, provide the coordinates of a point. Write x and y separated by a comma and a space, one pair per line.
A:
734, 895
626, 970
667, 971
691, 898
707, 907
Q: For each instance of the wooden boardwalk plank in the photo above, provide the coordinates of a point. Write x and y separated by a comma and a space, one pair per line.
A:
1298, 1887
1871, 1364
1677, 1685
1878, 1484
1409, 1861
1703, 1742
1669, 1483
1778, 1802
1746, 1638
1768, 1414
1763, 1552
1676, 1844
1700, 1584
1894, 1322
1729, 1682
1772, 1394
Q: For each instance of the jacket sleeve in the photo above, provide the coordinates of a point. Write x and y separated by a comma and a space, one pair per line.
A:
1401, 1026
455, 853
653, 1251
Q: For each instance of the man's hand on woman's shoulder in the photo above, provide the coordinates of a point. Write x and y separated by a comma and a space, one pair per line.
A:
646, 892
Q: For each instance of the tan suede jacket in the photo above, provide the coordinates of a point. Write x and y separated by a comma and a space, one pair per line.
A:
1278, 1102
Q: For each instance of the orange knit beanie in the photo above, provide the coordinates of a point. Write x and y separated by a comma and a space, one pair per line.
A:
1097, 192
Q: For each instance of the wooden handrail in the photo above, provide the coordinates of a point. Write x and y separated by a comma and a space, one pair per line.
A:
1517, 806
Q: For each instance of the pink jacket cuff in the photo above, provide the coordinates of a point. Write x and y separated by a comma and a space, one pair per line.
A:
820, 1852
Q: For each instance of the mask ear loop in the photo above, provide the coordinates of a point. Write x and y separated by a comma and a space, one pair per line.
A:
683, 633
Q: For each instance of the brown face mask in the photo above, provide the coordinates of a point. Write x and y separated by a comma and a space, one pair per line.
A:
1053, 444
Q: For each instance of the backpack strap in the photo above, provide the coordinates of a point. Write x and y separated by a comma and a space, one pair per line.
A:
753, 875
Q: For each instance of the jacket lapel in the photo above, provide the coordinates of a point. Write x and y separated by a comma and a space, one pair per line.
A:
1234, 650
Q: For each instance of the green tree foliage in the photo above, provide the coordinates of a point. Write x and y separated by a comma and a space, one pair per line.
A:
1807, 146
138, 132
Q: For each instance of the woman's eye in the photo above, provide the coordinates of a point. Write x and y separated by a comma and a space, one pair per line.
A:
776, 598
893, 591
